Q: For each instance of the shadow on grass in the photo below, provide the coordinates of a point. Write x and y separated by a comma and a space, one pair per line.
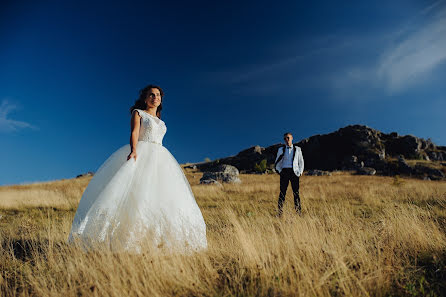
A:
427, 277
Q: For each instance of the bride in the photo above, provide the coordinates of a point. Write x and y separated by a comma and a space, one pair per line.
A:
139, 196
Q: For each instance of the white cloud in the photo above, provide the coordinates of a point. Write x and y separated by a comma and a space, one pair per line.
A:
360, 66
7, 124
275, 64
412, 54
419, 53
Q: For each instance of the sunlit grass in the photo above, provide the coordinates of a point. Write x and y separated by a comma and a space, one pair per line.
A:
358, 236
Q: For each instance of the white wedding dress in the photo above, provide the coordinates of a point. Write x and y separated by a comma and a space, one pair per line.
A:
130, 204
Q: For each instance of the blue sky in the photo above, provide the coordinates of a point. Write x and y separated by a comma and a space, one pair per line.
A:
235, 74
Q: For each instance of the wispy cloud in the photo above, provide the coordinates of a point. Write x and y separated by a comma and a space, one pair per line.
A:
286, 69
7, 124
417, 54
384, 61
280, 62
407, 60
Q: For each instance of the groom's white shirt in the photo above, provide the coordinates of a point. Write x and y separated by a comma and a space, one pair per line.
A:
287, 157
298, 161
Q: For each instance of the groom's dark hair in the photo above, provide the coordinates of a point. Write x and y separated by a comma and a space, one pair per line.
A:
288, 133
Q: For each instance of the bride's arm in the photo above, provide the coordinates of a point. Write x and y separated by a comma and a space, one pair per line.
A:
134, 125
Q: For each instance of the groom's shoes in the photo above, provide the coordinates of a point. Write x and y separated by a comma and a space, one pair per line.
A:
279, 213
298, 209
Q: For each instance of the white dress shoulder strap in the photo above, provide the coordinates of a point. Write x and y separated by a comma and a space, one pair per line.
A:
138, 111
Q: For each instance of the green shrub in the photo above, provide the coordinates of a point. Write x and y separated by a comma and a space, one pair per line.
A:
397, 181
260, 167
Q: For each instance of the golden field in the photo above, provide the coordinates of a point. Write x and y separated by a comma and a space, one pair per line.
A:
357, 236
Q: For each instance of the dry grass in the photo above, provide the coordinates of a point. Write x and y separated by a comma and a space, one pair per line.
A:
61, 194
358, 236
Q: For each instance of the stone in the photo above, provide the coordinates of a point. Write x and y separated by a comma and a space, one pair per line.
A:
433, 173
251, 151
382, 154
403, 166
89, 173
352, 163
366, 171
316, 172
436, 155
193, 166
224, 173
401, 160
210, 182
409, 146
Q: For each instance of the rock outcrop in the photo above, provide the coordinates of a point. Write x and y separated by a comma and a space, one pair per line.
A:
352, 148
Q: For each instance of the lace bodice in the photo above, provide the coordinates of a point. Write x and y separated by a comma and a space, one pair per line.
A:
152, 128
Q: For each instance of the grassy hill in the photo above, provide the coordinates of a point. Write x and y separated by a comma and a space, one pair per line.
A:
358, 236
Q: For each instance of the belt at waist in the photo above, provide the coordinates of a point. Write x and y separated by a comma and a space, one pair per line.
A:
151, 141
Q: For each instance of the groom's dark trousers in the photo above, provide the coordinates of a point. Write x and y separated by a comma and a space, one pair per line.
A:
287, 175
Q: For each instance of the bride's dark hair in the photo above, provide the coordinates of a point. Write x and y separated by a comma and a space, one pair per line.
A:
140, 103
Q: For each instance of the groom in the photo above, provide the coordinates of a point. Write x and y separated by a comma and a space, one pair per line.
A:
290, 164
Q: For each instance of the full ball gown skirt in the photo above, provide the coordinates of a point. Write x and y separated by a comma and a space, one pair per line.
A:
130, 204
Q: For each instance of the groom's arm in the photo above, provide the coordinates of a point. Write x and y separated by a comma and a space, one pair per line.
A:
301, 162
277, 156
279, 153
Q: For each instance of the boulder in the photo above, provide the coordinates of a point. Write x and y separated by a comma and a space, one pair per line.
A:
382, 154
351, 162
436, 155
191, 167
432, 173
316, 172
210, 182
224, 173
409, 146
254, 150
403, 166
89, 173
366, 171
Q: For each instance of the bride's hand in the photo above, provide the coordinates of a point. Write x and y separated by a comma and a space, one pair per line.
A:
131, 155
